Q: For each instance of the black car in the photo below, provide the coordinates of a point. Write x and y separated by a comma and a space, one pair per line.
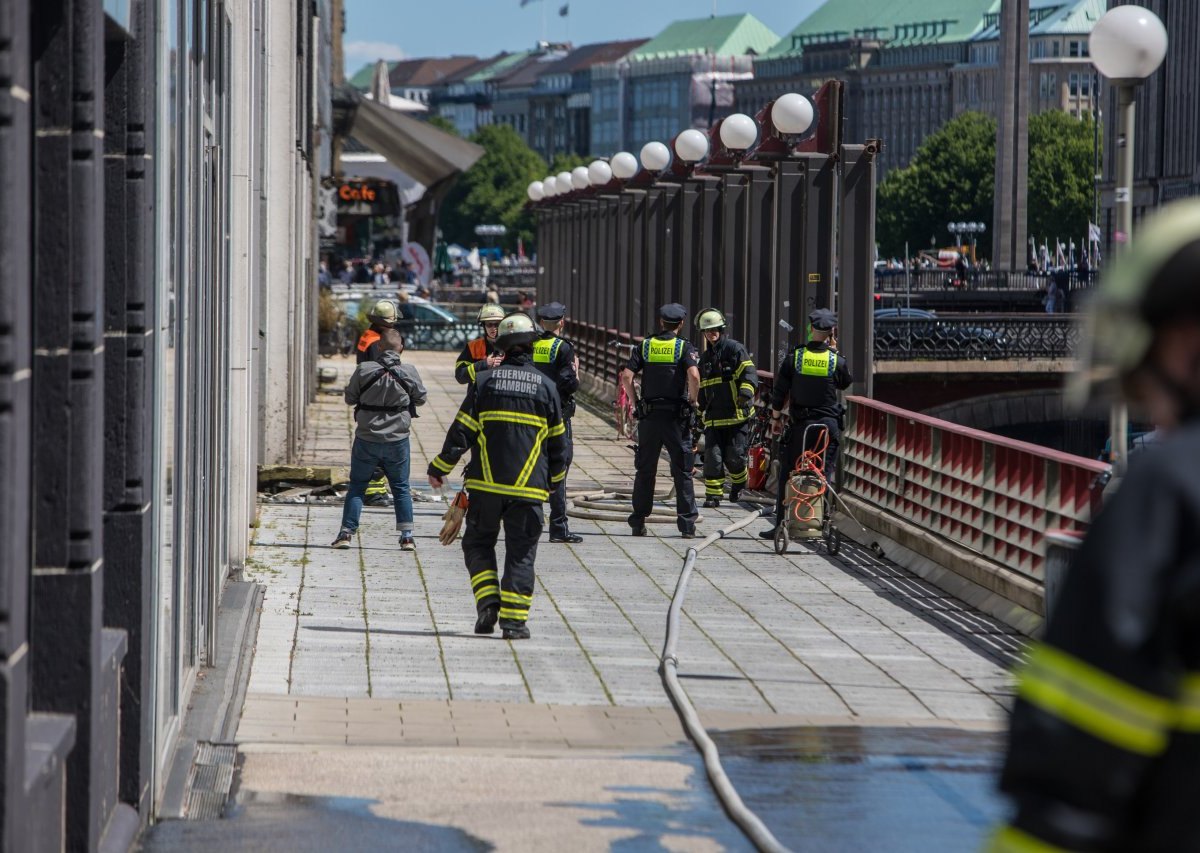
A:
916, 332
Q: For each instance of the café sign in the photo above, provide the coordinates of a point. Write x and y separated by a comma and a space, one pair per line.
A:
367, 198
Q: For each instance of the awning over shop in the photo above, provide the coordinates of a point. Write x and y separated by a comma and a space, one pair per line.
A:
428, 155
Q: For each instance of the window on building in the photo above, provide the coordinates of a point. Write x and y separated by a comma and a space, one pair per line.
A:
1056, 48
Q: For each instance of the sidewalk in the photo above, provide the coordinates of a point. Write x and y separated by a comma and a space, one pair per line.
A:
373, 647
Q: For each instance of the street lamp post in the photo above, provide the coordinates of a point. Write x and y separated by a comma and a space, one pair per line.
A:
1127, 45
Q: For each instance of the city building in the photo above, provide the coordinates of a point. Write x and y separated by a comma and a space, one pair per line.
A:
464, 98
907, 76
1166, 153
157, 344
512, 88
415, 79
560, 117
681, 78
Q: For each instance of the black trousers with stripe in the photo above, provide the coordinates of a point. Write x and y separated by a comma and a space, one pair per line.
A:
559, 525
522, 523
724, 450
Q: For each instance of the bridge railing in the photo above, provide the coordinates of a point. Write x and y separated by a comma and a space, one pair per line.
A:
893, 281
950, 337
994, 496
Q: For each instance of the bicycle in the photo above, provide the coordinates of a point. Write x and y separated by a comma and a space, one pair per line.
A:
623, 406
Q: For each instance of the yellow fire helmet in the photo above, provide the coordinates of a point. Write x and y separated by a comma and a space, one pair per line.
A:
1153, 281
383, 312
515, 330
710, 318
490, 312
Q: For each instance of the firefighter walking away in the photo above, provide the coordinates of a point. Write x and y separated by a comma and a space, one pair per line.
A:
511, 421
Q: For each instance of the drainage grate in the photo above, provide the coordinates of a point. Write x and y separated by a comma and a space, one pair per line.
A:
210, 780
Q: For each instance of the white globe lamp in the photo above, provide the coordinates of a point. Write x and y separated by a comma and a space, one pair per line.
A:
1128, 43
550, 186
738, 132
579, 178
792, 114
691, 146
599, 173
624, 165
655, 156
563, 182
535, 191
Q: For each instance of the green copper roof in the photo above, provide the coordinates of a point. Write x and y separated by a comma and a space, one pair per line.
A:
362, 79
899, 21
1076, 18
502, 64
727, 35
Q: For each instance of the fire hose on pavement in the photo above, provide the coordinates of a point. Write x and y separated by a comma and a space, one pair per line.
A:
738, 811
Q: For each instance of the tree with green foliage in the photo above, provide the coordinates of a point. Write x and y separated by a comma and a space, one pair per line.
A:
950, 179
1060, 175
493, 190
442, 123
567, 163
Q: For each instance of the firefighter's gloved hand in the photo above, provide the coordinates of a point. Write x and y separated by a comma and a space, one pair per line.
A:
452, 519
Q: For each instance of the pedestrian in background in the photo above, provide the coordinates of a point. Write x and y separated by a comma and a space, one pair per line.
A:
382, 391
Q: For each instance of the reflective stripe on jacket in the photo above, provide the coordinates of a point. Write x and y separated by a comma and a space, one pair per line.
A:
512, 422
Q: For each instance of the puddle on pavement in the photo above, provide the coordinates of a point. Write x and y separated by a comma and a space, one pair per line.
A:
851, 788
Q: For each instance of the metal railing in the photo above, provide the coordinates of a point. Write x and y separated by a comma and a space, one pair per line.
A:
947, 337
894, 281
422, 335
992, 495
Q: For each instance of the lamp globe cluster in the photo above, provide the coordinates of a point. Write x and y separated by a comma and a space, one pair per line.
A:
790, 115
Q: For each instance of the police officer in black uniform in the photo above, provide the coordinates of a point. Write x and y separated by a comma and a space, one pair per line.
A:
555, 357
511, 420
670, 389
812, 376
728, 383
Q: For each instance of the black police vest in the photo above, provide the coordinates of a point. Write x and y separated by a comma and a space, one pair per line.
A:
813, 384
662, 380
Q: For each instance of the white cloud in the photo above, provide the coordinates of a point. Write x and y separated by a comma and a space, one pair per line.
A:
369, 51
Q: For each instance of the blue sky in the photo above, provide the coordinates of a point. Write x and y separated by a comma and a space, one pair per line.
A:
387, 29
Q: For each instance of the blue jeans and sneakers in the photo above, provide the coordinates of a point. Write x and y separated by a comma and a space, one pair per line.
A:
392, 457
385, 395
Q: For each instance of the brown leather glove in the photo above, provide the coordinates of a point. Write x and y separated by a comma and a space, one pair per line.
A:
453, 519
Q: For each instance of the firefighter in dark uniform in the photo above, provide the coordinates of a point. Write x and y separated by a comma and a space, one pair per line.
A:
511, 420
670, 388
482, 348
811, 375
1104, 744
370, 348
555, 357
728, 383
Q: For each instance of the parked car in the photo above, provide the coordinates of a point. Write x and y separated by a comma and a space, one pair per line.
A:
428, 326
917, 329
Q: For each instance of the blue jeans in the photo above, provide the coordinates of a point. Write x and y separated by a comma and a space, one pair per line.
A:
392, 457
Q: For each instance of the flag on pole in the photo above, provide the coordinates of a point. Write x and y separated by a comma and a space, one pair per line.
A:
1093, 232
520, 248
564, 10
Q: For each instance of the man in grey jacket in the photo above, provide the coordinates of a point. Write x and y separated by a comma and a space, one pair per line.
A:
383, 394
